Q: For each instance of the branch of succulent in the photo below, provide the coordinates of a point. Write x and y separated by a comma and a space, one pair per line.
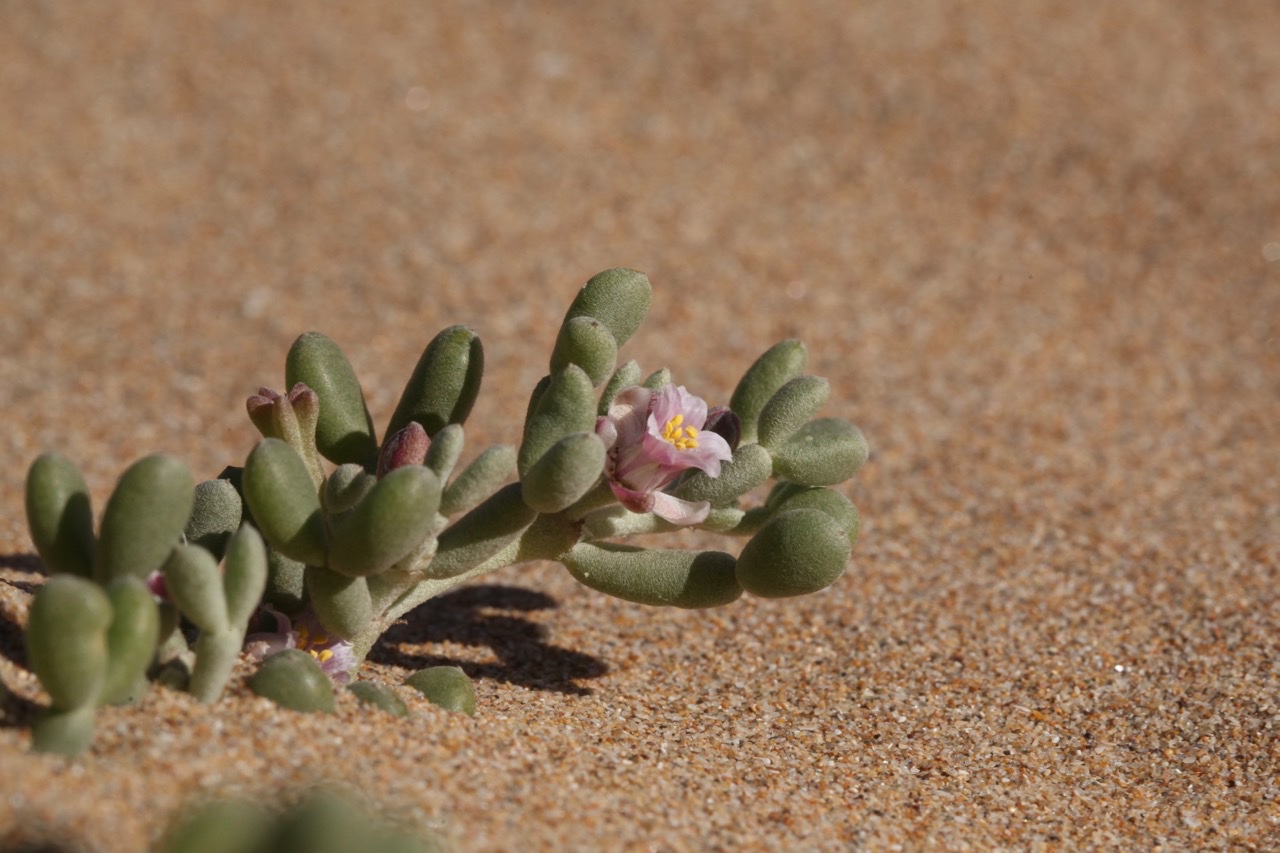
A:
327, 536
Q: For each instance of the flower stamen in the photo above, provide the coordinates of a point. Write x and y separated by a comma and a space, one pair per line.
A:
683, 437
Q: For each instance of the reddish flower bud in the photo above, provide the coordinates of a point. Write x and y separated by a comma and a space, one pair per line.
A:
406, 447
725, 423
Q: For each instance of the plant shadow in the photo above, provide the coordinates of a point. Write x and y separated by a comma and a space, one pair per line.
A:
16, 710
466, 616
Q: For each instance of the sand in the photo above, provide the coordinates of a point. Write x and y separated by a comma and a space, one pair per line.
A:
1034, 246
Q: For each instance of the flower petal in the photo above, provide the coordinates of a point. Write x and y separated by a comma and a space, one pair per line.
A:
636, 501
629, 413
679, 512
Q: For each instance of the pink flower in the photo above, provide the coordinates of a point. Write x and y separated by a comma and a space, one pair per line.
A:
652, 436
334, 655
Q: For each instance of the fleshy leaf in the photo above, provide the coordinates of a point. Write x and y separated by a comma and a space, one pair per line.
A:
346, 487
588, 343
481, 533
446, 450
779, 364
215, 515
618, 298
567, 406
624, 377
286, 584
749, 467
195, 585
59, 516
284, 501
244, 577
821, 453
791, 408
660, 378
446, 686
341, 603
293, 679
565, 472
392, 520
344, 429
484, 476
677, 578
131, 640
379, 696
444, 384
144, 518
834, 504
67, 640
795, 553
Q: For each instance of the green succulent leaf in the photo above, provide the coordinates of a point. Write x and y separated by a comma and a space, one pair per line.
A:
624, 377
195, 585
131, 640
481, 533
588, 343
67, 640
834, 504
342, 603
445, 451
346, 487
567, 406
484, 476
222, 826
328, 822
778, 365
286, 584
380, 696
144, 518
821, 453
791, 408
63, 732
392, 520
565, 472
795, 553
444, 384
658, 380
244, 579
60, 516
284, 501
446, 686
344, 430
618, 298
215, 515
676, 578
293, 679
749, 467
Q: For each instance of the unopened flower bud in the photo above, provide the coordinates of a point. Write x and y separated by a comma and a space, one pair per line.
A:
406, 447
261, 408
725, 423
291, 419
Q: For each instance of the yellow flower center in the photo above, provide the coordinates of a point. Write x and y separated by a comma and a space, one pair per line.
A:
306, 642
683, 437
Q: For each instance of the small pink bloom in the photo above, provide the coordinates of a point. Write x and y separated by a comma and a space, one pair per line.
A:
652, 436
334, 655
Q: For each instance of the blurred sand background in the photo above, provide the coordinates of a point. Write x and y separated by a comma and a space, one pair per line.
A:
1034, 246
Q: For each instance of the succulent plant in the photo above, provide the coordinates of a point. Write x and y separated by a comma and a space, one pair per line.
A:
96, 625
358, 531
325, 820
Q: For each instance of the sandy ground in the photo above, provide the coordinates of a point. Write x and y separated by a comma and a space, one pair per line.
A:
1034, 246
